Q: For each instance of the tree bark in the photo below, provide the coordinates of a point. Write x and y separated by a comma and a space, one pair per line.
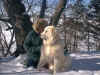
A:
58, 11
19, 20
43, 8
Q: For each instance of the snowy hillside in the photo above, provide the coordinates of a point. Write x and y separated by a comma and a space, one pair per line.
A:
83, 63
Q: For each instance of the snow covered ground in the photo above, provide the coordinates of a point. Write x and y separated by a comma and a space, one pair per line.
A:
83, 63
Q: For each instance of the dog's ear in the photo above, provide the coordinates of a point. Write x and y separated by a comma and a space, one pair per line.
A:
53, 30
54, 33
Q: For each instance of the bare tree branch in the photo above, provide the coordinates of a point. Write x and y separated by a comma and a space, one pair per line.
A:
59, 9
6, 19
29, 6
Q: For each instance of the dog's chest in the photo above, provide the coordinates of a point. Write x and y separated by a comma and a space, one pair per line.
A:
49, 51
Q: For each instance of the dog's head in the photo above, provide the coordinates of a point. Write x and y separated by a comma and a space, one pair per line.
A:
49, 33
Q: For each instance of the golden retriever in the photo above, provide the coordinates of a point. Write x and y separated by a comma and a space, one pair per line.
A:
53, 50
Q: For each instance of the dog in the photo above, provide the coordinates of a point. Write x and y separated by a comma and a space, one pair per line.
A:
52, 51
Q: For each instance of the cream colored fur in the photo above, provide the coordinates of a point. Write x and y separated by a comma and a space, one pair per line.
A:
53, 47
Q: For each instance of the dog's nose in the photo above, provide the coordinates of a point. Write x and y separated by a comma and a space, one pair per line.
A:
43, 36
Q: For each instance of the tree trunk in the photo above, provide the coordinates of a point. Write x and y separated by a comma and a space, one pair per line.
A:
43, 8
58, 11
19, 20
88, 41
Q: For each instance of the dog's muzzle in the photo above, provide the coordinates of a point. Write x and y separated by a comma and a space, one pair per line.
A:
43, 37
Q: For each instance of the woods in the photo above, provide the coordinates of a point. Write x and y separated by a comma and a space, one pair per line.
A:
20, 20
77, 21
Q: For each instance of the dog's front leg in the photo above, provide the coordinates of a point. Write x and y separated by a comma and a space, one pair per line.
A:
42, 61
41, 64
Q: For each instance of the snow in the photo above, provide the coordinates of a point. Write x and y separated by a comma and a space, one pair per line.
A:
83, 63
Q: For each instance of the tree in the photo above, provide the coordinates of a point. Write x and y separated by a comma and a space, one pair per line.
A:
96, 5
20, 22
43, 8
58, 11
